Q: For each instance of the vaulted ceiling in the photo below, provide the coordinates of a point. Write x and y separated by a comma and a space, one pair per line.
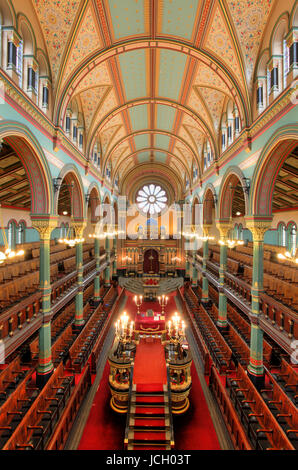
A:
151, 78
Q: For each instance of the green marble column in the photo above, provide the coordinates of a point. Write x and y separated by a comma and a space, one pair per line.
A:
108, 268
45, 366
194, 270
222, 301
97, 277
205, 292
255, 368
79, 318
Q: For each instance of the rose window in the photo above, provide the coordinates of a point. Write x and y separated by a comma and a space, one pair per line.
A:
151, 199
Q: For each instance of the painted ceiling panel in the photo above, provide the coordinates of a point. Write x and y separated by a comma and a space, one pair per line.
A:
160, 156
205, 76
139, 117
178, 19
143, 157
91, 99
128, 17
219, 42
214, 101
142, 141
133, 69
165, 117
171, 71
56, 19
162, 141
250, 18
86, 41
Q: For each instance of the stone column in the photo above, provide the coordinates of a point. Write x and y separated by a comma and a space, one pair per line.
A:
194, 269
97, 277
222, 302
79, 318
205, 293
45, 366
255, 368
114, 270
107, 270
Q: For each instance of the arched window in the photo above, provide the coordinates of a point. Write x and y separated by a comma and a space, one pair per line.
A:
292, 238
21, 231
282, 234
11, 235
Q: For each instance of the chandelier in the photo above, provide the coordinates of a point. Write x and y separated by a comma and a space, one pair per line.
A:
230, 243
287, 256
68, 240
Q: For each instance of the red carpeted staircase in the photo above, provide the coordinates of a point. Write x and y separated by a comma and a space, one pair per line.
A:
149, 424
149, 418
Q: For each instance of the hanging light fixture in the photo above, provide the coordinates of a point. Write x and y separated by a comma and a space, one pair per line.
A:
288, 257
8, 253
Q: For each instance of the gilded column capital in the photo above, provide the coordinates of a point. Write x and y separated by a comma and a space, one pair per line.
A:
78, 228
223, 229
206, 229
258, 228
44, 227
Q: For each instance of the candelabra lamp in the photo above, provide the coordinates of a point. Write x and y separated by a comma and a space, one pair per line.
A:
138, 299
179, 360
163, 300
120, 359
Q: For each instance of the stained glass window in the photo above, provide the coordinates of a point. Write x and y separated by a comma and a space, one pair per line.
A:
151, 199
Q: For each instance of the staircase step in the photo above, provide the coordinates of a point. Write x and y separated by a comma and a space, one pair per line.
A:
149, 404
157, 437
150, 410
149, 422
150, 399
147, 447
149, 428
149, 416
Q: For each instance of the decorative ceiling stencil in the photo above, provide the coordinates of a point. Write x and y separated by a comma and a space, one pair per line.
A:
107, 135
205, 76
219, 42
214, 101
91, 100
110, 103
97, 76
56, 18
87, 41
250, 17
198, 105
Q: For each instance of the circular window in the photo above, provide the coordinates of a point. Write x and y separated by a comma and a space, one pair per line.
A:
151, 198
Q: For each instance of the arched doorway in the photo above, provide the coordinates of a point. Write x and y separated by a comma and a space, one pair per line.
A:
151, 262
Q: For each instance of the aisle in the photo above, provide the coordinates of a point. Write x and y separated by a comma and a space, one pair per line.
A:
105, 429
150, 363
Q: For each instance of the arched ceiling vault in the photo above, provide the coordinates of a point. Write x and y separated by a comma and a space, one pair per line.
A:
163, 67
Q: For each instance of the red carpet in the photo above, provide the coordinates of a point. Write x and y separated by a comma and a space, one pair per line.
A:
150, 363
195, 430
104, 429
